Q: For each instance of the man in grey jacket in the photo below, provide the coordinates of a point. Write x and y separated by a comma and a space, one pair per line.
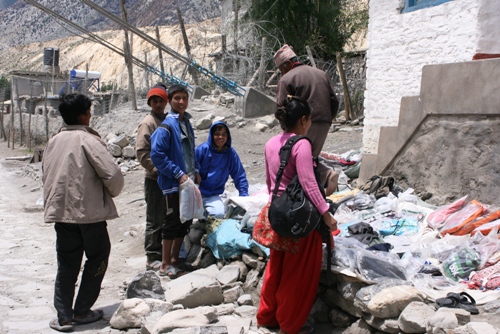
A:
312, 85
80, 178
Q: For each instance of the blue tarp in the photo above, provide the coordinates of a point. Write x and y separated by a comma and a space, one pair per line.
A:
228, 241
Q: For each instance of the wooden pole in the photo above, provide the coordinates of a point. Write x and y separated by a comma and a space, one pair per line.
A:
347, 98
311, 58
262, 67
29, 107
45, 111
86, 82
160, 55
2, 130
191, 70
146, 73
236, 6
127, 51
14, 103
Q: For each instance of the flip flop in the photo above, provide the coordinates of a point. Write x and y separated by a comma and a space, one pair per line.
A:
155, 265
468, 303
452, 300
91, 316
172, 272
55, 325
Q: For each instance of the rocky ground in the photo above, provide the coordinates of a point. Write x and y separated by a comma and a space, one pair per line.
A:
27, 246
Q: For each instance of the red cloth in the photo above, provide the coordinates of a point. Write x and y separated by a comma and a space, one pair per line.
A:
290, 286
264, 234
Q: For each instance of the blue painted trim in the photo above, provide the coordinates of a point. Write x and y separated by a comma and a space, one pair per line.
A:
412, 5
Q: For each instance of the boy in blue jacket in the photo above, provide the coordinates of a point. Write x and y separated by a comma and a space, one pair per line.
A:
218, 159
172, 153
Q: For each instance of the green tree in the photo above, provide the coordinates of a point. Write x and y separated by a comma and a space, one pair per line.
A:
324, 25
4, 88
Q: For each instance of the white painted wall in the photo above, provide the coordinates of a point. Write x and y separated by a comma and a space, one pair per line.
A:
401, 44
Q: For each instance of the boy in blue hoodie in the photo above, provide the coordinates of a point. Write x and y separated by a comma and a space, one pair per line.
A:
218, 160
172, 153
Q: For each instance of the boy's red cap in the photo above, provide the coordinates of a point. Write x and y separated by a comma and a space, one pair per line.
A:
157, 90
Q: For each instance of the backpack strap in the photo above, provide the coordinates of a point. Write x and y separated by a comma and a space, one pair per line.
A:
165, 126
284, 153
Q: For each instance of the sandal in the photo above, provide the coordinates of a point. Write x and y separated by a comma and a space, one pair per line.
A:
458, 300
468, 303
55, 325
155, 265
172, 272
450, 301
91, 316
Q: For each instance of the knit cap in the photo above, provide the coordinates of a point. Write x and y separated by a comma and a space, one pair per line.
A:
283, 54
158, 89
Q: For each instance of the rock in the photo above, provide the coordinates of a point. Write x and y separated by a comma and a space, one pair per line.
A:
232, 295
251, 281
129, 314
386, 325
269, 120
197, 288
157, 305
204, 123
339, 318
128, 152
208, 259
246, 311
476, 328
245, 300
243, 269
228, 274
184, 319
334, 298
218, 118
253, 262
120, 140
390, 302
414, 317
445, 320
261, 127
359, 327
225, 309
146, 285
115, 150
201, 330
492, 307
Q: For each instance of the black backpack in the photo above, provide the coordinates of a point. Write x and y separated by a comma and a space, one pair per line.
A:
292, 214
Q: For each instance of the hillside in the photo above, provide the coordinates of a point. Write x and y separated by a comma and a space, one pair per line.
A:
22, 23
76, 51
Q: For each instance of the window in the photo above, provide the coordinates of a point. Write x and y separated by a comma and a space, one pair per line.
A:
412, 5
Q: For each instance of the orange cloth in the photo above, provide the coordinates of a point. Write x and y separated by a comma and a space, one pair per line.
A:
473, 216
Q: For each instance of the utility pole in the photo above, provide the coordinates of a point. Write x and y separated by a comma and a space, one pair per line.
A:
128, 59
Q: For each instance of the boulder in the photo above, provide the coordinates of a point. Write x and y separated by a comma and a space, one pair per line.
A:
414, 317
201, 316
130, 314
390, 302
146, 285
128, 152
195, 289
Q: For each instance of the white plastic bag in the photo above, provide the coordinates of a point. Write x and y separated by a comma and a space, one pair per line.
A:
190, 202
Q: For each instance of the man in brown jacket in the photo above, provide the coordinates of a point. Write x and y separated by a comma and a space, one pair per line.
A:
312, 85
155, 208
80, 178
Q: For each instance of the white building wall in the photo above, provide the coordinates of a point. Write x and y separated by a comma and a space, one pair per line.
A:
489, 27
401, 44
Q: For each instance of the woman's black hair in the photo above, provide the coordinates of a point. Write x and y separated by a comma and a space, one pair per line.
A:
73, 105
292, 112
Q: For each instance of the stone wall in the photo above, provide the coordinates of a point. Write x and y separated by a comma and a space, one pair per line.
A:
401, 44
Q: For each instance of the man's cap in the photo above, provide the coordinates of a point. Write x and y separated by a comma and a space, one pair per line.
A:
283, 54
159, 90
177, 88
